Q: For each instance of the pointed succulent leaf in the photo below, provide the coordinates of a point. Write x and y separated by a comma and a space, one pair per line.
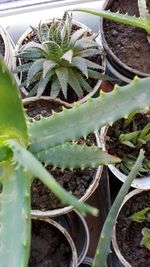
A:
87, 52
97, 75
84, 43
84, 84
128, 137
43, 82
22, 68
143, 9
73, 123
33, 53
141, 216
92, 65
43, 32
74, 83
67, 56
144, 131
30, 45
27, 161
103, 248
80, 64
146, 238
36, 67
76, 156
52, 48
14, 216
48, 65
11, 125
62, 74
122, 18
77, 35
55, 88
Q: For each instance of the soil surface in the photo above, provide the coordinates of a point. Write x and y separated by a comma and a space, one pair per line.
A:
49, 248
76, 181
71, 95
113, 145
2, 46
129, 233
128, 43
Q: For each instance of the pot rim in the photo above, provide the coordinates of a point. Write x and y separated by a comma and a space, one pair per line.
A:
114, 239
103, 58
108, 50
94, 184
65, 233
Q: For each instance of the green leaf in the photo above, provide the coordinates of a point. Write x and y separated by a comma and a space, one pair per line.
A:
76, 156
74, 83
88, 52
62, 74
146, 238
80, 64
36, 67
43, 82
48, 66
128, 137
84, 84
53, 49
55, 88
144, 132
97, 75
67, 56
12, 118
77, 35
141, 216
43, 32
92, 65
22, 68
33, 53
28, 162
144, 12
5, 153
92, 115
85, 43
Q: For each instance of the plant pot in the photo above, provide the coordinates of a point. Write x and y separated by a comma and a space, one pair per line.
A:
94, 178
77, 227
142, 182
118, 37
44, 234
27, 37
8, 48
87, 262
133, 202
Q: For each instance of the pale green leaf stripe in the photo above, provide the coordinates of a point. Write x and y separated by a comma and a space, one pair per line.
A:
34, 69
90, 116
76, 156
122, 18
103, 248
29, 163
62, 74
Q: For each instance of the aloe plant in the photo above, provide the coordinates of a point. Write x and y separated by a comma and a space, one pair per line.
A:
62, 58
24, 144
143, 21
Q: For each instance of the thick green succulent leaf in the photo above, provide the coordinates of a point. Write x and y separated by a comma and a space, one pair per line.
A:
43, 32
43, 82
85, 43
53, 49
88, 52
76, 156
5, 153
144, 13
67, 56
122, 18
36, 67
84, 84
32, 53
48, 65
92, 115
97, 75
28, 162
77, 35
80, 64
141, 216
12, 118
146, 238
92, 65
15, 233
22, 68
144, 131
55, 88
74, 83
103, 248
62, 74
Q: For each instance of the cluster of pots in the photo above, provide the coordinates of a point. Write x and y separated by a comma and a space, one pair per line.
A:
122, 72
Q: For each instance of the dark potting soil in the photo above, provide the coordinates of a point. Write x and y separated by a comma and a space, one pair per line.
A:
2, 46
49, 248
129, 234
113, 145
71, 95
128, 43
76, 181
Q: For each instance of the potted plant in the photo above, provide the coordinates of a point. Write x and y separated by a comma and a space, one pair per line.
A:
126, 34
124, 139
61, 58
22, 143
131, 237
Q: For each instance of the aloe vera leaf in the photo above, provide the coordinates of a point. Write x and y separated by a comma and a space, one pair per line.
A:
90, 116
103, 248
12, 118
28, 162
15, 232
76, 156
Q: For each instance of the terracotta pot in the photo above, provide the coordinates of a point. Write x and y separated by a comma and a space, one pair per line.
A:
96, 178
103, 58
140, 183
114, 238
115, 66
73, 260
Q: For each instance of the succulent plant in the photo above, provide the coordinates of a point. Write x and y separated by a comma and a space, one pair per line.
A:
25, 144
143, 21
63, 57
